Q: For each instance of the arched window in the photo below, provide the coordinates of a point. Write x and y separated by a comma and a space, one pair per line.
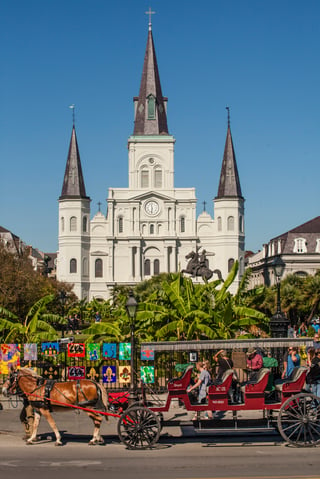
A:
62, 223
230, 264
156, 267
144, 178
84, 224
230, 223
73, 223
73, 265
120, 224
151, 107
182, 224
152, 229
158, 178
219, 223
98, 268
147, 267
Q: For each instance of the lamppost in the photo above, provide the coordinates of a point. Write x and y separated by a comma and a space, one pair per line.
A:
131, 308
278, 322
62, 298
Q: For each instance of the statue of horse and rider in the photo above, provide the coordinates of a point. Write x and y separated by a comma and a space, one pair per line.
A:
198, 266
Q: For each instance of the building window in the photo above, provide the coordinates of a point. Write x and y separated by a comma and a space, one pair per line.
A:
230, 264
73, 265
157, 178
182, 224
120, 224
84, 224
62, 223
219, 223
318, 246
152, 229
85, 266
151, 107
98, 268
73, 223
156, 267
230, 223
144, 178
147, 267
300, 245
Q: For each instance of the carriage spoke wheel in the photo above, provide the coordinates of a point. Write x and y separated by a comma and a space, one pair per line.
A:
139, 428
299, 420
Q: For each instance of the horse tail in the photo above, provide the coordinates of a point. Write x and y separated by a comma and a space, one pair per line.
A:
103, 397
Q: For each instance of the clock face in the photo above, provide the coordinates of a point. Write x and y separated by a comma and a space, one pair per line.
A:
151, 208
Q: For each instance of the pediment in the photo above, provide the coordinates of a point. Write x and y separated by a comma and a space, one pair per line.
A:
151, 194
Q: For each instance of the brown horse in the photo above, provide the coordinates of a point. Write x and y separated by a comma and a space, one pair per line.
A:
46, 396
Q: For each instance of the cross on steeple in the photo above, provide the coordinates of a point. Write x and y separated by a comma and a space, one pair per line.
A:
228, 110
72, 107
99, 205
204, 205
150, 13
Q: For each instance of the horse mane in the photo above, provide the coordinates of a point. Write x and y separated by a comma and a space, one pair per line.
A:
29, 372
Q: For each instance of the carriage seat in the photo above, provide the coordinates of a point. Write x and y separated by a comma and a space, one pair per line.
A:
258, 383
294, 382
181, 384
221, 386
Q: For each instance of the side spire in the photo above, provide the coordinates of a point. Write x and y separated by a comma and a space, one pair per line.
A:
73, 183
229, 184
150, 105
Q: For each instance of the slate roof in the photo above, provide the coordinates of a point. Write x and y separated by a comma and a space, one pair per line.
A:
229, 184
150, 85
73, 182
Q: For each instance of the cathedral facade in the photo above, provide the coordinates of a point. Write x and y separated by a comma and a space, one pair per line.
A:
151, 226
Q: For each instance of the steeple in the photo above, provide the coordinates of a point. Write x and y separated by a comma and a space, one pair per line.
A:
229, 185
73, 183
150, 106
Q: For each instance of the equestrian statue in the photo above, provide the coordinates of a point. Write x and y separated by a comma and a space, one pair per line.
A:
198, 266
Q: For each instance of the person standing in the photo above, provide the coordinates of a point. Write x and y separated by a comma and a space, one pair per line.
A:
97, 317
291, 360
313, 376
202, 383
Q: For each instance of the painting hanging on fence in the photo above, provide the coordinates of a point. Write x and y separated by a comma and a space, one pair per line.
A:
147, 374
30, 352
109, 374
76, 350
147, 354
93, 351
124, 374
50, 349
125, 351
76, 372
109, 350
51, 372
93, 373
9, 357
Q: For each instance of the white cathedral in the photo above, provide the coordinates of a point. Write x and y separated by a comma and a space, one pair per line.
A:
151, 226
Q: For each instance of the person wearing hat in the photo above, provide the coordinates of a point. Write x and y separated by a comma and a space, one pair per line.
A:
254, 362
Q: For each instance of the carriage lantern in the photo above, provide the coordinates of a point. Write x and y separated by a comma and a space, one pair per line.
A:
131, 308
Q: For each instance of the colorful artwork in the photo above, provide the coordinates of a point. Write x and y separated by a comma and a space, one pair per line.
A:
30, 352
125, 351
109, 350
76, 372
124, 374
50, 349
76, 350
51, 372
109, 374
9, 357
92, 372
147, 374
93, 351
147, 354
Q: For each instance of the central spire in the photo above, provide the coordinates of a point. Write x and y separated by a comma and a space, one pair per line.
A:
150, 105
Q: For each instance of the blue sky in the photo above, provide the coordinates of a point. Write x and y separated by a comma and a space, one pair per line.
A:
260, 58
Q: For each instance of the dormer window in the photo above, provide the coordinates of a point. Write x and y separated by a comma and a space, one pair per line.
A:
318, 246
300, 245
151, 107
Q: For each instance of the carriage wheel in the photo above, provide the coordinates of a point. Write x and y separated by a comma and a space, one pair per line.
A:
149, 404
139, 428
299, 420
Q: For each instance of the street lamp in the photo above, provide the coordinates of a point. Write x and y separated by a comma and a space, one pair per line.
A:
62, 298
278, 322
131, 308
